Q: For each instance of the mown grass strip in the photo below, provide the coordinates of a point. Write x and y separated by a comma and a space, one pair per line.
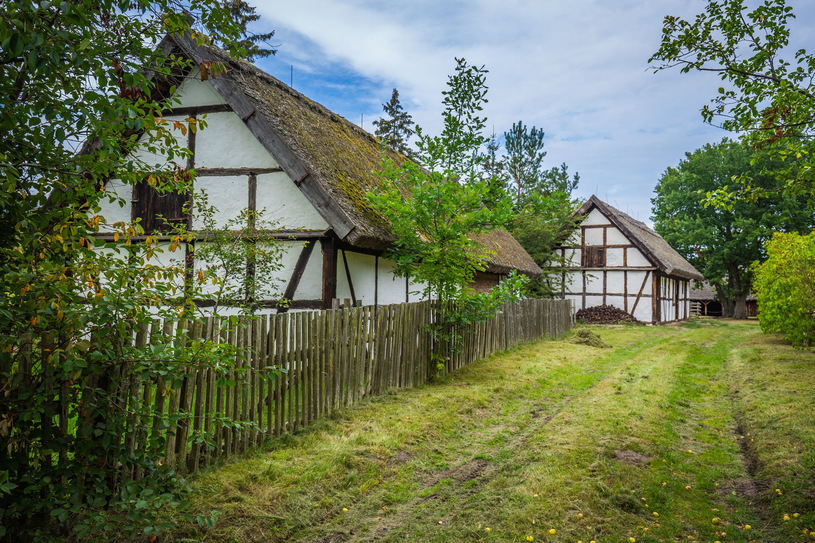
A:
588, 442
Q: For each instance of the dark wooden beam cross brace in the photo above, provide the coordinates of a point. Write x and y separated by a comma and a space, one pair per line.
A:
297, 274
350, 283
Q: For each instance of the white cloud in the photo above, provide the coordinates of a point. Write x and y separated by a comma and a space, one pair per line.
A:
576, 69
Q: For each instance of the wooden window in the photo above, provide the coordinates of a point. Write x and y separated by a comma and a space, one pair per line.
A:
158, 212
594, 256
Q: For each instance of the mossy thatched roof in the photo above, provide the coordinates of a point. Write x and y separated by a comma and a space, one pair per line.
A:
651, 244
337, 158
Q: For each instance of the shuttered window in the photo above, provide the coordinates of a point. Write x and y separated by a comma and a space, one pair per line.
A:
594, 257
158, 212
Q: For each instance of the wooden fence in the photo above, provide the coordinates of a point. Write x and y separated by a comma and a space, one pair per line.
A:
301, 366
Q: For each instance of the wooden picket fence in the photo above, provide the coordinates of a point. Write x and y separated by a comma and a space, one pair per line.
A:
297, 367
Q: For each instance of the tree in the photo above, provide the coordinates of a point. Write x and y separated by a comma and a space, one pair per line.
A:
765, 96
542, 204
243, 14
541, 226
437, 210
523, 164
785, 287
723, 243
397, 129
524, 158
84, 83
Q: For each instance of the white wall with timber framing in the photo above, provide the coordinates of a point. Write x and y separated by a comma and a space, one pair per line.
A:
238, 173
604, 267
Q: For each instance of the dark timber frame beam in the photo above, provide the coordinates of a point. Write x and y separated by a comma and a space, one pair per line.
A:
297, 274
329, 249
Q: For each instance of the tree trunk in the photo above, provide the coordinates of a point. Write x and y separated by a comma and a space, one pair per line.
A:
727, 303
740, 307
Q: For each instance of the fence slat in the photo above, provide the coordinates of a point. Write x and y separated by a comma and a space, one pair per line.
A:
293, 368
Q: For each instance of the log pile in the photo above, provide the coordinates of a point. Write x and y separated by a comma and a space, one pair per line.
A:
604, 314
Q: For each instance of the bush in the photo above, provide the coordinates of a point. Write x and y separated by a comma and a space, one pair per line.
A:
785, 288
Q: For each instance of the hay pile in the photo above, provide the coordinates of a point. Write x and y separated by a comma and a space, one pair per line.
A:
584, 336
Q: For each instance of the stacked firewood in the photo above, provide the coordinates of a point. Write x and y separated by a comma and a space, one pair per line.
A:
604, 314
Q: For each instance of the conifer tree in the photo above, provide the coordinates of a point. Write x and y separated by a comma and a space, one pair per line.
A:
243, 14
397, 129
524, 156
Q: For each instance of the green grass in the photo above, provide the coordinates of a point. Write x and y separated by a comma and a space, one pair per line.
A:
589, 442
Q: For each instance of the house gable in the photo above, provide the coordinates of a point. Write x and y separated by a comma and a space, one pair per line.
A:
234, 169
613, 259
265, 146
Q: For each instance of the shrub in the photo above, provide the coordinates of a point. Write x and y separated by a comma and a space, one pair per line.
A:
785, 288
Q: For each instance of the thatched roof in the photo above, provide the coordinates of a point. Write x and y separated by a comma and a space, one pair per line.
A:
651, 244
705, 291
332, 161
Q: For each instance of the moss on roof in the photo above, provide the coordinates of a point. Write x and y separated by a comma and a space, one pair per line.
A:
344, 159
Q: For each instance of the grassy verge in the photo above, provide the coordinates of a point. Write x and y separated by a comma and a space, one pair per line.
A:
639, 441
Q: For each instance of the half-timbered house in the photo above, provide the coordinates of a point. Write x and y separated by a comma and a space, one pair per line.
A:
266, 146
613, 259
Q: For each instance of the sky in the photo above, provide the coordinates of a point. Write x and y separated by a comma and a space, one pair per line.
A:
578, 70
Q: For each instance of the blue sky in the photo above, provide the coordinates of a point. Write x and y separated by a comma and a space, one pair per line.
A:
577, 69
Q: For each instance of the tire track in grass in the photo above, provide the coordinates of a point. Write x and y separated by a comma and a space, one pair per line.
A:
669, 414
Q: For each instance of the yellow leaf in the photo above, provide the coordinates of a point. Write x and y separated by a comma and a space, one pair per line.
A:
116, 236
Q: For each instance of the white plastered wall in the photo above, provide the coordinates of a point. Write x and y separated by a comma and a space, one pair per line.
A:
637, 259
226, 142
615, 237
614, 257
593, 236
194, 92
363, 276
594, 218
284, 205
311, 283
615, 282
643, 311
374, 282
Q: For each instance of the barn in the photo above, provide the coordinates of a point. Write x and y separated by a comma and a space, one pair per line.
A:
268, 147
709, 303
613, 259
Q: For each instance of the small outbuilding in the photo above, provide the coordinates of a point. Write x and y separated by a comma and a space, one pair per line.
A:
613, 259
708, 303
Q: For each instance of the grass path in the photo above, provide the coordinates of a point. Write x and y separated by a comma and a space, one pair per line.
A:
677, 433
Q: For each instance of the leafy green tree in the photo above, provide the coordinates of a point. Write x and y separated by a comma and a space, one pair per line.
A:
437, 210
89, 76
397, 129
766, 95
541, 226
458, 151
435, 214
243, 14
722, 243
785, 287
